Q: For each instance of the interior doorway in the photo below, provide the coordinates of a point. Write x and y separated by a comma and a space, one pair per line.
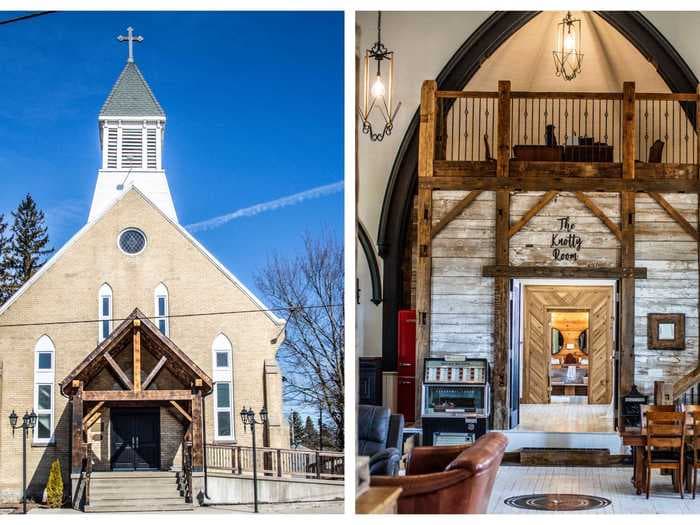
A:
567, 334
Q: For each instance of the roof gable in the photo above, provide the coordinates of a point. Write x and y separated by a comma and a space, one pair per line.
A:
131, 96
175, 359
178, 227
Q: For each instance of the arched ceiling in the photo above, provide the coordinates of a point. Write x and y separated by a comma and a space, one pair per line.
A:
526, 59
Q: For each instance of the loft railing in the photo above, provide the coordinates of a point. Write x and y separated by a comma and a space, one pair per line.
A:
281, 463
577, 126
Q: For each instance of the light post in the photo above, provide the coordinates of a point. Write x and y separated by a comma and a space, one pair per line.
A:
248, 418
28, 422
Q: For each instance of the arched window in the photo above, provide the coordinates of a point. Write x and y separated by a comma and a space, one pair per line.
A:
105, 312
44, 380
222, 366
162, 308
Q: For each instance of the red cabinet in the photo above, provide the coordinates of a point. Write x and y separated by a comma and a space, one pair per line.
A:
406, 391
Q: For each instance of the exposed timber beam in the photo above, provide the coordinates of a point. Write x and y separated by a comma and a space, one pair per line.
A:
152, 375
614, 228
546, 199
181, 410
121, 375
137, 355
93, 411
537, 183
675, 215
562, 272
144, 395
454, 212
426, 157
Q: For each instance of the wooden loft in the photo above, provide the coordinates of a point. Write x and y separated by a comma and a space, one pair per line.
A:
506, 141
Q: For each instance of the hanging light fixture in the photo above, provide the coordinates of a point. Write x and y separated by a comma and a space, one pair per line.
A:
568, 52
378, 88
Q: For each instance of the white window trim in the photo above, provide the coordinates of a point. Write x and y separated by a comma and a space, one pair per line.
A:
44, 377
223, 375
105, 292
162, 291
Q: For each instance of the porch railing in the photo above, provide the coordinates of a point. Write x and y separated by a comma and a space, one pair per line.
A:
186, 482
281, 463
467, 125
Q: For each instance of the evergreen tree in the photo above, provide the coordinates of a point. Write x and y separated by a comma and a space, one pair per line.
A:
6, 277
29, 242
54, 487
310, 434
296, 429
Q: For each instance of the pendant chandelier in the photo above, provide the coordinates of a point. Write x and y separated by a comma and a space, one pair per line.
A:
378, 89
568, 52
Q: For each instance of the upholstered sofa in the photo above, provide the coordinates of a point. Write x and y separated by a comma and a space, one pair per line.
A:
449, 479
380, 436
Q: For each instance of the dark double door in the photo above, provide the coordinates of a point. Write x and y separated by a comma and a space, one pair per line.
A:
135, 439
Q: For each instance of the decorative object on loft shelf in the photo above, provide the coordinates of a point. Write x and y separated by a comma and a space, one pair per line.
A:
568, 52
666, 331
378, 91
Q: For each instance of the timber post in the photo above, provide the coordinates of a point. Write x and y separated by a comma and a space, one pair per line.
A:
197, 436
627, 251
76, 401
501, 283
697, 164
426, 157
137, 355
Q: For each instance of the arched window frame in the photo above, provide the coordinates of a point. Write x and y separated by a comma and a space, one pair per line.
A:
161, 309
44, 385
222, 366
105, 312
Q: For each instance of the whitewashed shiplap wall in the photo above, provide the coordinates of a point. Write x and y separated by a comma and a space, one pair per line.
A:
462, 300
532, 245
671, 258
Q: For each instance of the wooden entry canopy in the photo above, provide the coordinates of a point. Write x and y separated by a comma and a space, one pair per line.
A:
138, 334
446, 163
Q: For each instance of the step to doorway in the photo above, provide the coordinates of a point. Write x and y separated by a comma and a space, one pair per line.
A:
565, 457
609, 441
136, 492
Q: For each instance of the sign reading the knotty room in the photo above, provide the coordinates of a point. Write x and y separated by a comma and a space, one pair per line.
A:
566, 243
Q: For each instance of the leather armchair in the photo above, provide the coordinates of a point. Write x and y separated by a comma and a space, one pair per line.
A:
380, 435
450, 479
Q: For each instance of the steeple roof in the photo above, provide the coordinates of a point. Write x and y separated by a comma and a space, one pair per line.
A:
131, 96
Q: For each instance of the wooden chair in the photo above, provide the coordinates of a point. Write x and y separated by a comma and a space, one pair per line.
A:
665, 444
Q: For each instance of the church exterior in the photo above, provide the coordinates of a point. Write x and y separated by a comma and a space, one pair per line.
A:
140, 383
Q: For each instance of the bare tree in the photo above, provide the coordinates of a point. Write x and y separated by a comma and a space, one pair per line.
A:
312, 356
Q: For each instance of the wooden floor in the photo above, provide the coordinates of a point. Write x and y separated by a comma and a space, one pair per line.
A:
566, 417
611, 483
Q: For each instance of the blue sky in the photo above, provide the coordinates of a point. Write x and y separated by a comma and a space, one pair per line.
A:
254, 103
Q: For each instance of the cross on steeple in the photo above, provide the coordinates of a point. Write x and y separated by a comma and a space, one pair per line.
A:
131, 39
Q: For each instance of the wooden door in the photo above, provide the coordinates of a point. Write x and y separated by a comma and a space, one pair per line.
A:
536, 351
598, 300
135, 436
600, 351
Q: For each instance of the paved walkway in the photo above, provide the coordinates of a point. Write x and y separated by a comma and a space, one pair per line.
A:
305, 507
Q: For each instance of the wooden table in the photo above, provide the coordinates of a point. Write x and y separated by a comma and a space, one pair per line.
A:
573, 153
378, 500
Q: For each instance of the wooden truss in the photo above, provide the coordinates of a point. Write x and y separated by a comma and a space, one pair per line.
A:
503, 176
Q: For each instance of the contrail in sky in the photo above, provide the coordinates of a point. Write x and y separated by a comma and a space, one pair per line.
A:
283, 202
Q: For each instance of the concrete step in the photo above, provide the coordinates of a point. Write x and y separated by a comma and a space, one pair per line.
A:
134, 494
128, 506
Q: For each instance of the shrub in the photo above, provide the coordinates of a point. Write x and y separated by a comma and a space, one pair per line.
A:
54, 487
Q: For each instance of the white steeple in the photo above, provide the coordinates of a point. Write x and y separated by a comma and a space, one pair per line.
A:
132, 126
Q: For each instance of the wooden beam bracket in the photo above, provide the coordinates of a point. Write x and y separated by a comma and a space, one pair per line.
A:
121, 375
546, 199
595, 209
675, 215
455, 212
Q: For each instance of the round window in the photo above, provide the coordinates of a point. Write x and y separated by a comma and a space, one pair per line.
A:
132, 241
